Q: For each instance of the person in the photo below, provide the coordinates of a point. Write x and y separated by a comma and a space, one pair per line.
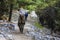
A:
26, 15
21, 20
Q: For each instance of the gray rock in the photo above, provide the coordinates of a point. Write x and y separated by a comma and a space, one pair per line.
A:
38, 34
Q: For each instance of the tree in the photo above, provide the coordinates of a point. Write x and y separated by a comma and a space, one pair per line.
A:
2, 8
11, 3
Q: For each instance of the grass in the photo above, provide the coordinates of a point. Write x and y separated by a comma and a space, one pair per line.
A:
38, 25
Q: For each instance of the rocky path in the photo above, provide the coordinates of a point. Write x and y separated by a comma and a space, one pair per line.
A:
17, 35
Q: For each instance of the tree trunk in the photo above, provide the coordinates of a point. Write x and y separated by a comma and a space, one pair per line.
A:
10, 14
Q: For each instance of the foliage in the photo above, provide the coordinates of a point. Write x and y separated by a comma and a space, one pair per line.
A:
38, 25
51, 7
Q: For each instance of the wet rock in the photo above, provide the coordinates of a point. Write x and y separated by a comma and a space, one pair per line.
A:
56, 38
5, 35
8, 26
38, 34
46, 31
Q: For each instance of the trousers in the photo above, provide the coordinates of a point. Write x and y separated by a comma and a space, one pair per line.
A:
21, 27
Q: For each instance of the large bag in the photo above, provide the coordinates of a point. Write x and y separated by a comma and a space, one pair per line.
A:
21, 19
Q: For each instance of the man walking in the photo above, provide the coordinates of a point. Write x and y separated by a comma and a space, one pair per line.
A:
21, 20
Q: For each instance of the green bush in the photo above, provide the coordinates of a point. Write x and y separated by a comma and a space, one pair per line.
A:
38, 25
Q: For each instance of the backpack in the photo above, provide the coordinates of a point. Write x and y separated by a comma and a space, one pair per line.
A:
26, 14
